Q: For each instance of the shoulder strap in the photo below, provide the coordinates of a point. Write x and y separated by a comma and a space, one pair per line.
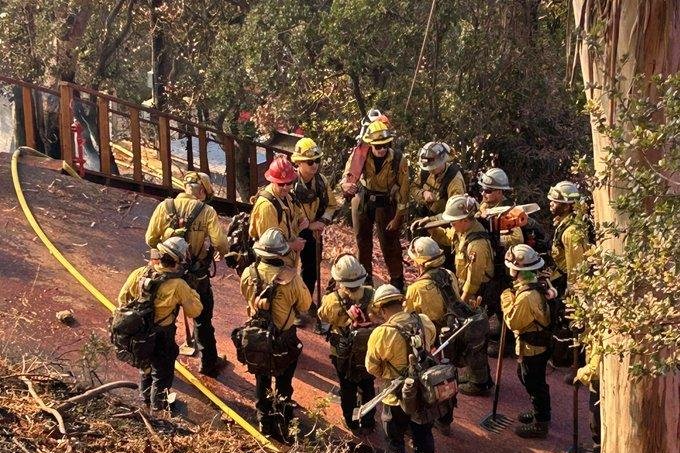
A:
534, 286
474, 236
172, 212
396, 162
322, 193
274, 201
193, 215
449, 174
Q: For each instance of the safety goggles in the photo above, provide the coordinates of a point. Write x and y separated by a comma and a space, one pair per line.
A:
284, 184
312, 162
511, 258
381, 146
379, 135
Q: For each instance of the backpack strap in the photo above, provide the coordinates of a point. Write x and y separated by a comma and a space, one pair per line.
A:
452, 302
172, 213
274, 201
414, 320
534, 286
193, 215
157, 279
449, 174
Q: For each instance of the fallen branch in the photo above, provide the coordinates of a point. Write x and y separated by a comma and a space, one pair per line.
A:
147, 423
43, 407
95, 392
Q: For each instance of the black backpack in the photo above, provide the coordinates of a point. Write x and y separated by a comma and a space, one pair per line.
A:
303, 194
535, 237
557, 328
132, 329
500, 276
240, 254
195, 268
263, 348
352, 344
435, 385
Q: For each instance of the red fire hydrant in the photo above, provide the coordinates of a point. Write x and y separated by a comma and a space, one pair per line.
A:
79, 160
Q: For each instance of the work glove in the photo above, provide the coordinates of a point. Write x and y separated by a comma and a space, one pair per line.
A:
584, 374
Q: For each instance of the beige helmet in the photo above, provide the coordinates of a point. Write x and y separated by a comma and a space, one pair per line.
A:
459, 207
347, 271
522, 257
272, 244
564, 192
306, 149
494, 178
197, 177
432, 155
176, 247
385, 294
424, 251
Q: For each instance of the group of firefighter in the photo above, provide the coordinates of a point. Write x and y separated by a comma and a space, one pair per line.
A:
373, 333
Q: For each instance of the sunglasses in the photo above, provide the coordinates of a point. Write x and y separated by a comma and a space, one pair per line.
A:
284, 184
382, 146
312, 162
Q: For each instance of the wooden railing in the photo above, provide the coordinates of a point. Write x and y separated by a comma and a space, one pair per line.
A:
149, 132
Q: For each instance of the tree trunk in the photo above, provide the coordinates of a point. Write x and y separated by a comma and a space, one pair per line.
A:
640, 416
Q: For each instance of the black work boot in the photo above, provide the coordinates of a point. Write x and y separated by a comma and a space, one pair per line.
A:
473, 389
526, 417
215, 368
535, 430
397, 282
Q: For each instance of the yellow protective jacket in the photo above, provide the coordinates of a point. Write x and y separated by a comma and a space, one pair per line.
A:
289, 297
433, 183
171, 294
205, 226
568, 247
264, 216
523, 311
387, 351
334, 312
386, 181
508, 237
309, 209
423, 296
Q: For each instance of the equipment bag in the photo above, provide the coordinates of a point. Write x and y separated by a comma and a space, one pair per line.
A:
263, 348
132, 329
554, 331
435, 384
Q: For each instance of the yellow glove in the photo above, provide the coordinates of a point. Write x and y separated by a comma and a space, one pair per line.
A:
507, 299
584, 375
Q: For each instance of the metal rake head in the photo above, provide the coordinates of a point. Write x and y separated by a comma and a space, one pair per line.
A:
495, 423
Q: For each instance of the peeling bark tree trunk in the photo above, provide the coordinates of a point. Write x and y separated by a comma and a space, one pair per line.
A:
639, 416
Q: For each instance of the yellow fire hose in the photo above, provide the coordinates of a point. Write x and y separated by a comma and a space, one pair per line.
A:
104, 301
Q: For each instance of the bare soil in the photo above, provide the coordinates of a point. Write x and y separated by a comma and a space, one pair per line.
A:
101, 231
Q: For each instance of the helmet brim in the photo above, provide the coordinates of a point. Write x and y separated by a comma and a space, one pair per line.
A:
533, 267
454, 218
297, 157
560, 201
381, 141
269, 177
267, 254
352, 283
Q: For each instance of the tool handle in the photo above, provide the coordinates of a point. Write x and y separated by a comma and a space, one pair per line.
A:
187, 331
575, 397
365, 408
466, 323
499, 367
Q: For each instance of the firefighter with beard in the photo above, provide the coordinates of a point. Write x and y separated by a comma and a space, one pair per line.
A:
347, 311
380, 199
437, 181
318, 204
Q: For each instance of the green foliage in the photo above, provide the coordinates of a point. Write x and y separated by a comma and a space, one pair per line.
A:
633, 294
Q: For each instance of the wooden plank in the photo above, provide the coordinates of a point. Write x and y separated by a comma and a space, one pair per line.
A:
164, 150
229, 150
252, 164
29, 119
203, 151
135, 137
65, 120
104, 136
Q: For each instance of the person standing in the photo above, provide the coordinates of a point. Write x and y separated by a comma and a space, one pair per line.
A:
380, 199
171, 293
526, 313
190, 217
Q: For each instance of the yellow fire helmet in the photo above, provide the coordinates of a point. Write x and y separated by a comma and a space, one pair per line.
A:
378, 134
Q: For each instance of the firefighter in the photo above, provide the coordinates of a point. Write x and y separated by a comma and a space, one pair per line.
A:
380, 199
387, 357
347, 310
437, 181
189, 216
274, 206
429, 295
274, 406
494, 183
318, 204
526, 313
474, 261
570, 241
171, 294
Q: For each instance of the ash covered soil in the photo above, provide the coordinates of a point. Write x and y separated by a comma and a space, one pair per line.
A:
100, 230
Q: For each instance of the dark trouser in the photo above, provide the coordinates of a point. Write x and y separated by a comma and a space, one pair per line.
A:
264, 394
308, 259
531, 373
363, 219
348, 397
469, 350
155, 382
395, 423
594, 406
204, 332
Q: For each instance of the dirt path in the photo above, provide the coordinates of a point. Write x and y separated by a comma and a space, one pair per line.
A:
100, 230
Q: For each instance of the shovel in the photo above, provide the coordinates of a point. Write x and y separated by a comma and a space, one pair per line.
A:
495, 422
188, 348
